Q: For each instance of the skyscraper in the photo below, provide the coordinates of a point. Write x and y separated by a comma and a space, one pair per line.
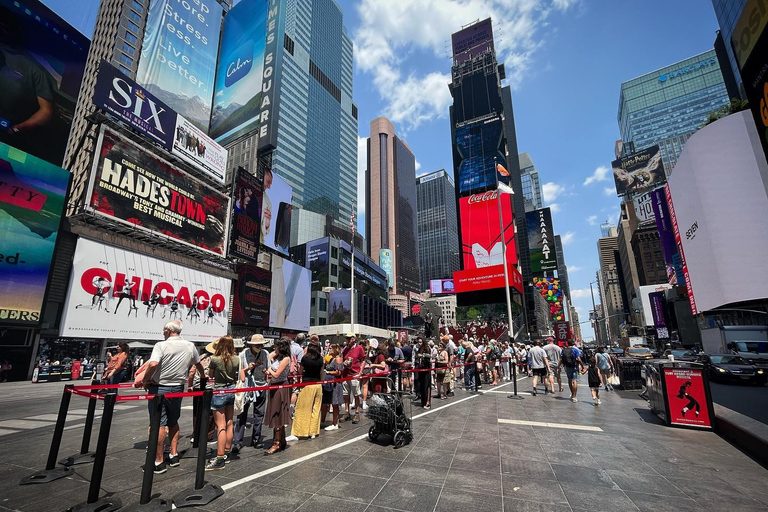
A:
609, 286
391, 205
532, 191
727, 13
438, 238
562, 268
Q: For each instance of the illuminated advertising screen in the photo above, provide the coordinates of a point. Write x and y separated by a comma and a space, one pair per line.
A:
244, 239
133, 185
32, 196
750, 43
290, 294
178, 55
115, 293
339, 303
276, 210
552, 292
541, 240
237, 99
478, 147
317, 261
481, 231
489, 278
42, 61
252, 296
472, 41
386, 264
438, 286
638, 172
562, 331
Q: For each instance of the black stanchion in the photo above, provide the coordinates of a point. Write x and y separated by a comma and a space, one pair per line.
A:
146, 502
51, 471
196, 406
203, 493
85, 456
106, 504
514, 394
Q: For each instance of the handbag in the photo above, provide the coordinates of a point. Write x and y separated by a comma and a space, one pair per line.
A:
239, 397
614, 380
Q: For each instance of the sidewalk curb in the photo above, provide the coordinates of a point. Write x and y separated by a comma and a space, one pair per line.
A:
748, 434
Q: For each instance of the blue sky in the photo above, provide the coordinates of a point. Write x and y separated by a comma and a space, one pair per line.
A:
565, 61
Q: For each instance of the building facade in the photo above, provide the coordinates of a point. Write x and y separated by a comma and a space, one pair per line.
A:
529, 176
727, 13
610, 287
436, 222
391, 205
562, 268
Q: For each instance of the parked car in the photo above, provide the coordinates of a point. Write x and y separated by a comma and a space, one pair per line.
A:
638, 353
683, 355
732, 368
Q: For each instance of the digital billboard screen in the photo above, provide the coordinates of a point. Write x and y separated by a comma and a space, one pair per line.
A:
541, 240
638, 172
339, 311
244, 239
178, 55
134, 186
276, 210
252, 296
472, 41
32, 197
478, 147
489, 278
43, 61
481, 233
317, 261
290, 294
438, 286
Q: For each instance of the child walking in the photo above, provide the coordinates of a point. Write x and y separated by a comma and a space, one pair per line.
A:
593, 379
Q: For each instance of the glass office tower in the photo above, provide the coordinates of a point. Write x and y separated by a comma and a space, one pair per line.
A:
438, 238
728, 13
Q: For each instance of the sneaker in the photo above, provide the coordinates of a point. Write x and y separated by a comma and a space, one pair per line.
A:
345, 417
574, 399
291, 439
330, 428
159, 468
534, 393
313, 437
174, 460
599, 402
365, 406
356, 419
215, 464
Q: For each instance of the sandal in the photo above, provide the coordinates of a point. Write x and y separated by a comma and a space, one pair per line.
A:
274, 449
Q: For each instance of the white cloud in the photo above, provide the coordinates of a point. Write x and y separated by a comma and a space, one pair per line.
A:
609, 191
554, 207
390, 31
573, 268
580, 293
568, 237
600, 174
551, 191
592, 220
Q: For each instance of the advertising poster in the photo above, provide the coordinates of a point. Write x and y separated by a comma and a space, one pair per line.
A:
134, 186
114, 293
237, 97
481, 232
178, 55
129, 102
386, 264
437, 286
657, 302
666, 236
270, 83
643, 204
193, 146
252, 296
339, 307
639, 171
317, 261
244, 239
550, 289
478, 147
562, 332
472, 41
487, 279
541, 240
680, 252
687, 397
276, 209
43, 61
289, 303
32, 197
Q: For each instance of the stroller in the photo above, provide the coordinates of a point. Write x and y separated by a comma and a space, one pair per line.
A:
387, 410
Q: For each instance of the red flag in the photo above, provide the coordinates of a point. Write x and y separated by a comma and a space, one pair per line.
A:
502, 170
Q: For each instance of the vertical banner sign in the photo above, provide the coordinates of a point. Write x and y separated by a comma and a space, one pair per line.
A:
289, 303
666, 236
252, 296
32, 196
541, 240
178, 55
270, 84
244, 239
657, 308
687, 397
562, 331
680, 251
237, 99
385, 262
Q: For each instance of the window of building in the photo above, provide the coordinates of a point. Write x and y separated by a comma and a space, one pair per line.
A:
126, 60
124, 70
334, 270
134, 16
133, 27
323, 304
130, 37
323, 321
130, 50
137, 6
334, 253
312, 302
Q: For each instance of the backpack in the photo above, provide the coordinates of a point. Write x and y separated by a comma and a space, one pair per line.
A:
568, 359
495, 352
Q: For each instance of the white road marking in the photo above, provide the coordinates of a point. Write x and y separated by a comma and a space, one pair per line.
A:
5, 432
551, 425
24, 424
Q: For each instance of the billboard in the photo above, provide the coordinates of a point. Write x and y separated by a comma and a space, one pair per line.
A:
276, 210
237, 97
270, 84
552, 292
472, 41
252, 296
438, 286
43, 61
244, 239
134, 186
541, 240
640, 171
193, 146
178, 55
478, 147
317, 261
32, 197
339, 302
646, 294
666, 236
490, 278
687, 397
386, 263
289, 302
657, 302
481, 232
643, 204
562, 331
115, 293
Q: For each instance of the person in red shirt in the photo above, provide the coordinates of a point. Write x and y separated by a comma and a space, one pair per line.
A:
117, 365
353, 357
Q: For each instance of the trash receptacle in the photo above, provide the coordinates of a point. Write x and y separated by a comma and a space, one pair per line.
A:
679, 394
629, 373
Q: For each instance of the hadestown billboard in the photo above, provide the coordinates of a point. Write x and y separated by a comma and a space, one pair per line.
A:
720, 207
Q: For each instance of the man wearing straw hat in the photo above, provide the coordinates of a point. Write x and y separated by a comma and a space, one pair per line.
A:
253, 360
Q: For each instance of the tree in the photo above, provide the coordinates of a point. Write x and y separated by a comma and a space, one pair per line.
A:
736, 105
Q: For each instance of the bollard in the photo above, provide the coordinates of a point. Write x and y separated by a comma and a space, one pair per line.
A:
196, 407
51, 471
514, 394
85, 456
106, 504
202, 494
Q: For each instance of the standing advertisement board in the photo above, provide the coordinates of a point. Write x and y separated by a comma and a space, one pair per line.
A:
32, 197
246, 231
638, 172
178, 55
289, 303
276, 210
132, 185
43, 61
687, 401
541, 240
252, 296
115, 293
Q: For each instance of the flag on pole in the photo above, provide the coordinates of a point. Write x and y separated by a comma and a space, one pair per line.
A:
505, 189
502, 170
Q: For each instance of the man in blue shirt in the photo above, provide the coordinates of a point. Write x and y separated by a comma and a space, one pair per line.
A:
571, 360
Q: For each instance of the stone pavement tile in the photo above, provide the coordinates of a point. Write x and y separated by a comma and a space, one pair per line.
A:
528, 469
319, 503
461, 480
454, 499
531, 452
629, 465
655, 503
433, 443
676, 470
421, 474
715, 494
541, 491
267, 499
597, 499
476, 462
407, 496
336, 460
650, 483
514, 505
384, 449
373, 466
427, 456
584, 476
353, 487
571, 457
308, 479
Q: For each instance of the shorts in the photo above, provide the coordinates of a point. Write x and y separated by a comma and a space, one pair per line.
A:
572, 372
221, 401
352, 387
554, 371
539, 372
170, 411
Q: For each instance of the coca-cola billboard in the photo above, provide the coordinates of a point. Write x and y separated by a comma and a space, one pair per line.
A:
481, 232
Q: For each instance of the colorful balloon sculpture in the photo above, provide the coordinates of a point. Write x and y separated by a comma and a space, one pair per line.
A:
549, 288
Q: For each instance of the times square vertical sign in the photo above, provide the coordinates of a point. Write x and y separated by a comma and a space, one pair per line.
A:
270, 84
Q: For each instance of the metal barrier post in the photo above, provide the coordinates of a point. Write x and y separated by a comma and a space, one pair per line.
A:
514, 394
51, 471
202, 494
85, 456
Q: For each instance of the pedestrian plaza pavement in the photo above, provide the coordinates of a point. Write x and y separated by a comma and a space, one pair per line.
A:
472, 452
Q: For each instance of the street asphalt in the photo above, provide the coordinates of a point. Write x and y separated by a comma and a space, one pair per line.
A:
749, 400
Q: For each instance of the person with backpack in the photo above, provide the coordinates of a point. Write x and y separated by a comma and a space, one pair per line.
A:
571, 360
493, 354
